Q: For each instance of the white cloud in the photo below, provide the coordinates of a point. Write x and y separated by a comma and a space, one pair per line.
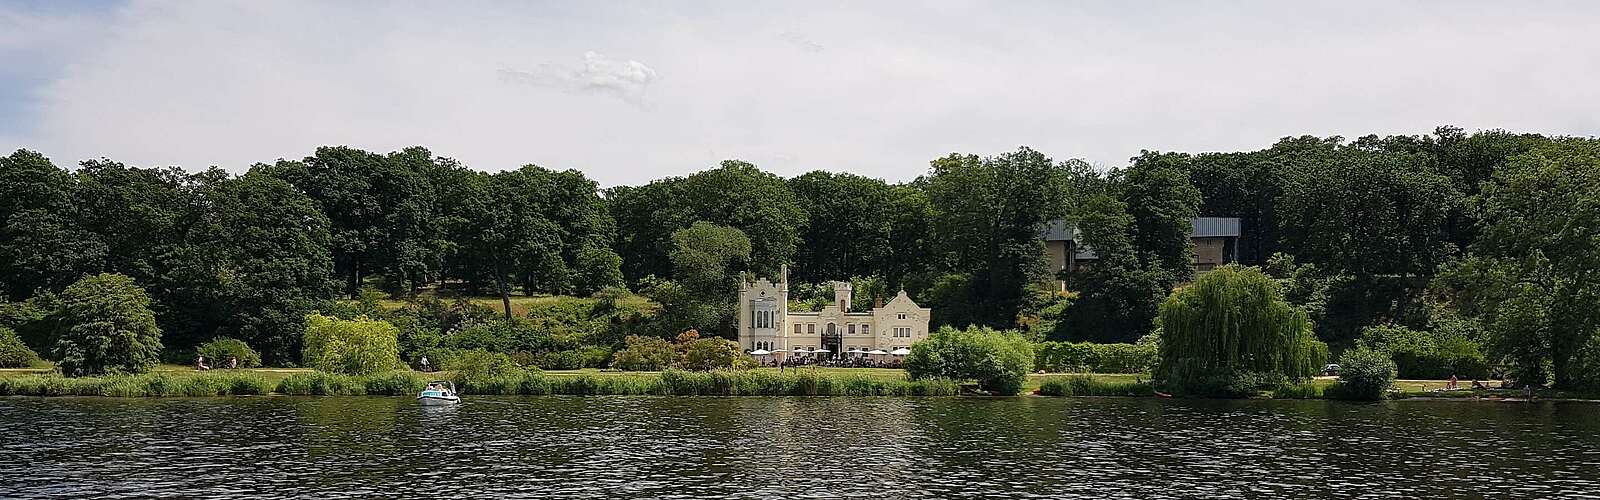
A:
666, 89
626, 80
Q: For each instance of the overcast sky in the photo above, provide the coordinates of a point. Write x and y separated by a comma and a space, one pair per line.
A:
629, 92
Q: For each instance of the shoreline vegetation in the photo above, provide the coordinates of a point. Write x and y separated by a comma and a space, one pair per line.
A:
1226, 274
175, 381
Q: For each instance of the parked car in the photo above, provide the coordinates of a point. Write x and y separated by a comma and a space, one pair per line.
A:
1330, 370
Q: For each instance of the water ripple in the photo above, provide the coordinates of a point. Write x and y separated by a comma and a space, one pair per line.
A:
878, 448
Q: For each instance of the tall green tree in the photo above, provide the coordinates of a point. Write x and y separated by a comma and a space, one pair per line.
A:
849, 228
259, 262
42, 245
105, 326
1366, 212
1163, 203
735, 194
1232, 324
1244, 185
707, 258
1118, 295
383, 211
1534, 275
988, 214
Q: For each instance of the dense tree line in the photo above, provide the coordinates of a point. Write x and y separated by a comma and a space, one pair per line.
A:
1485, 234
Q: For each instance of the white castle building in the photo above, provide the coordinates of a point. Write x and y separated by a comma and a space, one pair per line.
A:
765, 321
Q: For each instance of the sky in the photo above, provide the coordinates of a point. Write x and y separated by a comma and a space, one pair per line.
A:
628, 92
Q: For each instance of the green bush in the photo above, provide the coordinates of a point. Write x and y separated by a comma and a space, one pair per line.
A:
1064, 357
478, 365
105, 327
14, 353
1084, 385
584, 357
715, 354
358, 347
218, 350
1437, 354
645, 354
1365, 374
998, 360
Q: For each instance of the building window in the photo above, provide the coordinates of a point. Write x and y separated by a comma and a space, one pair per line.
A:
866, 329
811, 328
902, 332
902, 315
796, 328
852, 328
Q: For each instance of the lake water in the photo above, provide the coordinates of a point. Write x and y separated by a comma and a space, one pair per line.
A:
662, 447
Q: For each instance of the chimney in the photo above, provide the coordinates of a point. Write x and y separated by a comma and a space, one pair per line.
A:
841, 295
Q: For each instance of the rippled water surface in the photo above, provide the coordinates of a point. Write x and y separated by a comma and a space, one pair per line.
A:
658, 447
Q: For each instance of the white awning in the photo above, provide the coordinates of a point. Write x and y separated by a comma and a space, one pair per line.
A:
900, 352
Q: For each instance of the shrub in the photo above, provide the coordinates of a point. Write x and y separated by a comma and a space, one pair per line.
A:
105, 326
14, 353
715, 354
645, 354
584, 357
998, 360
1365, 374
1084, 385
359, 346
478, 365
1060, 357
1231, 333
1434, 354
218, 351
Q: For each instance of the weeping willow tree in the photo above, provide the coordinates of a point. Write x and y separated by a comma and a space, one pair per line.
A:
1231, 331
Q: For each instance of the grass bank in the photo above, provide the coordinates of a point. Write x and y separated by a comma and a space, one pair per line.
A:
1088, 385
407, 383
802, 382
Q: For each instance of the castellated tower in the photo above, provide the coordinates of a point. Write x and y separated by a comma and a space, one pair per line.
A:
763, 311
841, 295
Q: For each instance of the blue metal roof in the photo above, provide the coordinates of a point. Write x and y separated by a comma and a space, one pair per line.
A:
1212, 227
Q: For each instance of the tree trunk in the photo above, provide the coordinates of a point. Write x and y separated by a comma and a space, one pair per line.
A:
355, 278
500, 284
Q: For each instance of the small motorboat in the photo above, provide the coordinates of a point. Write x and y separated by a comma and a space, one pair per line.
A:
439, 393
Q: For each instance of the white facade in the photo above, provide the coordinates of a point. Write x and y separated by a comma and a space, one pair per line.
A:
765, 321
